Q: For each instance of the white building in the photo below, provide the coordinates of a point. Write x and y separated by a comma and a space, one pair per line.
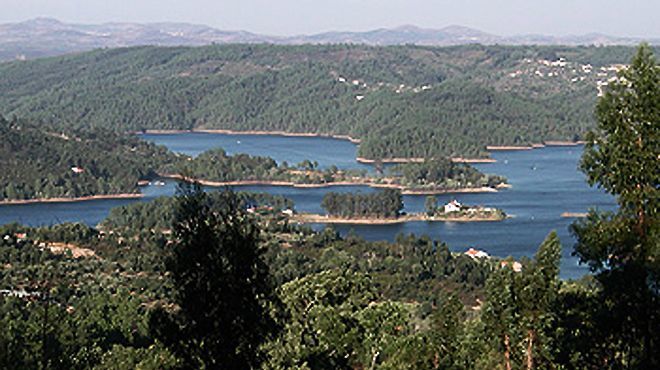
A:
453, 206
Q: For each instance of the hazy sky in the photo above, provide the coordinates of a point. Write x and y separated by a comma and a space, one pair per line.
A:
287, 17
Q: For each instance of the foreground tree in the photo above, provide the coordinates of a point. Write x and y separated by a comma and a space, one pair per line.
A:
519, 313
222, 286
623, 248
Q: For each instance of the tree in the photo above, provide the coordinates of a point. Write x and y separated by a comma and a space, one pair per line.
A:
431, 205
322, 330
623, 248
538, 297
222, 285
519, 315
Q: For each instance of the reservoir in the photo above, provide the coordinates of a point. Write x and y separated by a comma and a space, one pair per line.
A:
545, 183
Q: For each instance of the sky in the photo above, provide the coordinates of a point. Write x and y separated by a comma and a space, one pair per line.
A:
633, 18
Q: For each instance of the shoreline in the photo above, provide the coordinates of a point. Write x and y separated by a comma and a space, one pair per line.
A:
496, 148
71, 200
363, 160
574, 214
251, 132
312, 218
399, 160
404, 190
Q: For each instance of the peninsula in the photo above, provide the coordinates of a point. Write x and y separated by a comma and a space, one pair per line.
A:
327, 219
433, 176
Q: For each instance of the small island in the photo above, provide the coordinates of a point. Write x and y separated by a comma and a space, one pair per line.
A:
385, 207
42, 164
431, 176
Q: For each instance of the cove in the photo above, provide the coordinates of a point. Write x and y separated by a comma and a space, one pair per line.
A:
545, 183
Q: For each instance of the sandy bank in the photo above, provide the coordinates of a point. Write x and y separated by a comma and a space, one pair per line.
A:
399, 160
324, 219
404, 190
508, 147
390, 160
564, 143
255, 132
574, 214
534, 146
69, 200
473, 160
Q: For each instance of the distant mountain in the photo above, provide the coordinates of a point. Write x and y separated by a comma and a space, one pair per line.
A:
47, 37
452, 35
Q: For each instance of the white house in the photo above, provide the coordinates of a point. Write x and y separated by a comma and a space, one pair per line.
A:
453, 206
77, 169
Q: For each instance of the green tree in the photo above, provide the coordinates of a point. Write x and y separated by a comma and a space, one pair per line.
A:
519, 315
222, 286
431, 205
322, 330
538, 297
623, 248
500, 315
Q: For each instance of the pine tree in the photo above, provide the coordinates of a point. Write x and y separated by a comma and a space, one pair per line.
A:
540, 286
519, 311
431, 205
222, 286
623, 248
500, 314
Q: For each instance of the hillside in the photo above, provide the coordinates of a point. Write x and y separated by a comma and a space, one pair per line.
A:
36, 163
401, 101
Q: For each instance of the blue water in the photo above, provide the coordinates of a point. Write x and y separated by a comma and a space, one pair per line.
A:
291, 149
545, 183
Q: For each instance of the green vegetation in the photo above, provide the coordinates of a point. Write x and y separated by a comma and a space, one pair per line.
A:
41, 162
402, 101
443, 174
384, 204
623, 248
215, 166
129, 311
221, 285
158, 214
464, 212
219, 289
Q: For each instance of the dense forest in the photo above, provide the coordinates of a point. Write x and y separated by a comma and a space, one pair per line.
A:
100, 307
216, 165
41, 162
383, 204
443, 173
44, 162
159, 213
401, 101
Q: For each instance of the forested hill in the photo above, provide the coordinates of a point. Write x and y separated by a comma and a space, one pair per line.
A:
402, 101
44, 163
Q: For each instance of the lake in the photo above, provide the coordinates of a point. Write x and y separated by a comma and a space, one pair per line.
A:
545, 183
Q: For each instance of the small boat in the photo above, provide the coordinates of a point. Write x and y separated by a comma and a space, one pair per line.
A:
159, 183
